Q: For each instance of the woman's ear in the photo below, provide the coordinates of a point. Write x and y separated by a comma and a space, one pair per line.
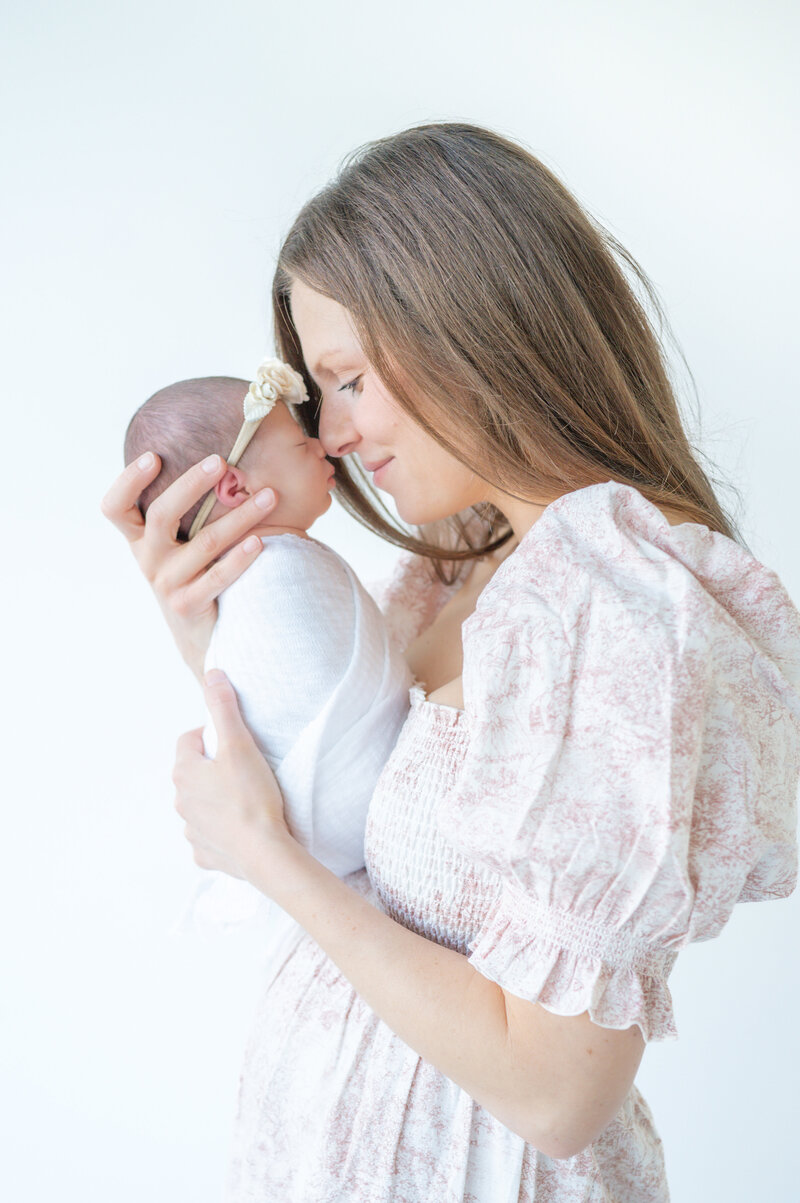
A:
231, 490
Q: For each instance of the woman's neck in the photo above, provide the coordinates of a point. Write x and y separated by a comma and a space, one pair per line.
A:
521, 515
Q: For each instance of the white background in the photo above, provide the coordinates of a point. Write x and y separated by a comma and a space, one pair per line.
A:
153, 156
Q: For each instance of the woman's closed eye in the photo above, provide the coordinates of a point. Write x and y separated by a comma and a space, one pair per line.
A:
350, 386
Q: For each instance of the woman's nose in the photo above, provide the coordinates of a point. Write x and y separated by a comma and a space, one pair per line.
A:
337, 433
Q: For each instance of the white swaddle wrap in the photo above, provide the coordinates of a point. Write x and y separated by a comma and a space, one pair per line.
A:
324, 693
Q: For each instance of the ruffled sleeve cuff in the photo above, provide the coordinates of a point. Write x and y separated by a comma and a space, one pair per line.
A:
569, 965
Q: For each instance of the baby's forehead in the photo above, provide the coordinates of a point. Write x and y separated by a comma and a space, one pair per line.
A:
277, 429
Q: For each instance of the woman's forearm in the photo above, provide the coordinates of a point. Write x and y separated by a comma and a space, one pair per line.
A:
555, 1081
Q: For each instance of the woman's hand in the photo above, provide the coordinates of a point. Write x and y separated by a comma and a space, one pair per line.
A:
187, 578
232, 805
557, 1081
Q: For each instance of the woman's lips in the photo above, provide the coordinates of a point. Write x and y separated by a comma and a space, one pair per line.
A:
378, 468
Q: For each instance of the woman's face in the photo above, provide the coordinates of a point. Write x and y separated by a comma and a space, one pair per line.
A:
358, 416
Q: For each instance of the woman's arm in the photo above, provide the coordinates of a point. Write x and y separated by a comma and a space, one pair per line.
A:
556, 1081
187, 578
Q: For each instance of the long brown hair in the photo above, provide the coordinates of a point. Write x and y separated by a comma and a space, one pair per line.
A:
524, 349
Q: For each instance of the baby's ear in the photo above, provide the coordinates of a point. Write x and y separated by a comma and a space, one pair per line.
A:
231, 489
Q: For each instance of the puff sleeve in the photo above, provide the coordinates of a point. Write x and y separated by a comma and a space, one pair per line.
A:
631, 774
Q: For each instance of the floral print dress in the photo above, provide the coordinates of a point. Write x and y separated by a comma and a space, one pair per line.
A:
624, 771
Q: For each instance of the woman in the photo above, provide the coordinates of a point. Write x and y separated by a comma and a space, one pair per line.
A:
603, 752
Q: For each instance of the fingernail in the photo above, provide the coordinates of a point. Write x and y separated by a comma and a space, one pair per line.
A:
214, 677
145, 461
264, 499
211, 464
251, 544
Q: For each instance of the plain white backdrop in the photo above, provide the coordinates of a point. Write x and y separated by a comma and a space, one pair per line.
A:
153, 156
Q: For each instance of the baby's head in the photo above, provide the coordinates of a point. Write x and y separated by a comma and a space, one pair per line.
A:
185, 422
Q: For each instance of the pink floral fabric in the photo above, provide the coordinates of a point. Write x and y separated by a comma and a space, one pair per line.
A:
624, 771
631, 691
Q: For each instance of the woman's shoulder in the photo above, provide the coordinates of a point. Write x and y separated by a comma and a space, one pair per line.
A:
605, 551
624, 675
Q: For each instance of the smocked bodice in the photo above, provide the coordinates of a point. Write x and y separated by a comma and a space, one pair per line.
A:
422, 881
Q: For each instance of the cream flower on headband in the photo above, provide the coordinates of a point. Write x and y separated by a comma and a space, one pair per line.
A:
275, 381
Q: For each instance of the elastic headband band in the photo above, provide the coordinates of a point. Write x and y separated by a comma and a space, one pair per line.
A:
275, 381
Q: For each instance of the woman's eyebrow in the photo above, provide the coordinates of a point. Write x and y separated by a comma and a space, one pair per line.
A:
322, 359
321, 368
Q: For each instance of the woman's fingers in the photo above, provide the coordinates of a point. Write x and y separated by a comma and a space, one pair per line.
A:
212, 541
191, 743
185, 587
223, 707
120, 502
188, 749
199, 596
232, 805
182, 572
165, 513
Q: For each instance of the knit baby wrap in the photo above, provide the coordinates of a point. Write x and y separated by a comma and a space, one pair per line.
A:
324, 693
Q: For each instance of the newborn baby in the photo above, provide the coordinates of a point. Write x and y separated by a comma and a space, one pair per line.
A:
319, 684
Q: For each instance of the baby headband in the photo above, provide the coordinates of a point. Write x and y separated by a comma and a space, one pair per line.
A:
275, 381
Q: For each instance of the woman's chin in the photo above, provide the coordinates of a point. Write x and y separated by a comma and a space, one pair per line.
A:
416, 513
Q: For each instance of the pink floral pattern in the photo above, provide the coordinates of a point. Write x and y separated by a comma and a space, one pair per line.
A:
625, 770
